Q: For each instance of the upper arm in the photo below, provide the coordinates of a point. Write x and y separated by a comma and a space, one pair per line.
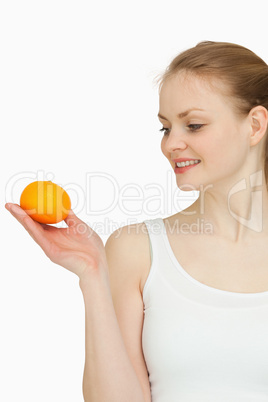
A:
125, 261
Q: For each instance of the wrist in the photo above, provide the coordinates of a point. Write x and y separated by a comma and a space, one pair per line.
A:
91, 280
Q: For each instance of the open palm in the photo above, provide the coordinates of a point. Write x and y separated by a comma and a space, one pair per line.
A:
77, 247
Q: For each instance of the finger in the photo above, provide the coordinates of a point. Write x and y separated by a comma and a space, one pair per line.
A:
18, 212
15, 209
32, 227
49, 227
35, 229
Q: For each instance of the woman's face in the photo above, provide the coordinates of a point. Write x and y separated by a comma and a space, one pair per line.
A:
215, 135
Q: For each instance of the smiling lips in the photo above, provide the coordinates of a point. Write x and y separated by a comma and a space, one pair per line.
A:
185, 165
184, 159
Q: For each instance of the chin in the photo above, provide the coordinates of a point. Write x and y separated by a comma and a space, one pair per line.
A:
188, 186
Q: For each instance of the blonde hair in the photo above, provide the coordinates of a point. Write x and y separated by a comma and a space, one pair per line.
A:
244, 73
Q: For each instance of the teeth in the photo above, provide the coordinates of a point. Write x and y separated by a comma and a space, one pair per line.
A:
187, 163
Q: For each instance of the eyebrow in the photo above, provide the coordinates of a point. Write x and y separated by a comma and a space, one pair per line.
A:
183, 114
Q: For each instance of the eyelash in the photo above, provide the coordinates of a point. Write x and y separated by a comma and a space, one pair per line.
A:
190, 125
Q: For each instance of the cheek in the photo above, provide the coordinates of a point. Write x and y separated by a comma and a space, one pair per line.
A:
215, 148
226, 153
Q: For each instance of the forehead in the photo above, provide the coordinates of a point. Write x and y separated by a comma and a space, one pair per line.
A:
185, 89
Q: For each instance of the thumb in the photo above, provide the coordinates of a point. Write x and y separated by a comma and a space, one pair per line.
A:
78, 225
72, 219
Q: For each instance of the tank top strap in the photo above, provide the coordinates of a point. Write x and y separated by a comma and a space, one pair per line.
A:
156, 233
156, 230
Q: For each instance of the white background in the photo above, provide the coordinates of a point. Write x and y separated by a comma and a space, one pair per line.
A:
78, 107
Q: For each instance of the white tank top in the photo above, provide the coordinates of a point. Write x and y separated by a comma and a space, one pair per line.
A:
201, 343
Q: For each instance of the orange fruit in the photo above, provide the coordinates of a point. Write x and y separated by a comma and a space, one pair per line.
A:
45, 202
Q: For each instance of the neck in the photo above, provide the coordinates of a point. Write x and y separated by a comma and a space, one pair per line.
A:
238, 212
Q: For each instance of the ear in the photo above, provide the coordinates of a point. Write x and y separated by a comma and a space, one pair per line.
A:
258, 120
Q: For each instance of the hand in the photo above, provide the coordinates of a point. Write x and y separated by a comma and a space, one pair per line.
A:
77, 248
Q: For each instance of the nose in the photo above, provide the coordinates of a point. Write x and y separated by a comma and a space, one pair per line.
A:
173, 141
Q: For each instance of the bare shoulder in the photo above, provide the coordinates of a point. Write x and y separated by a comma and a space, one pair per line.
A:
130, 244
129, 250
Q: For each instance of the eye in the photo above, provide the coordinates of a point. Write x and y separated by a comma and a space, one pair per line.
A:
165, 130
195, 127
192, 128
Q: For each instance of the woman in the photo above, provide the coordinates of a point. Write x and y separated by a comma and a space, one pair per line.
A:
177, 308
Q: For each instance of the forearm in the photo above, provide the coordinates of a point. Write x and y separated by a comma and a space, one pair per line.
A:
108, 375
